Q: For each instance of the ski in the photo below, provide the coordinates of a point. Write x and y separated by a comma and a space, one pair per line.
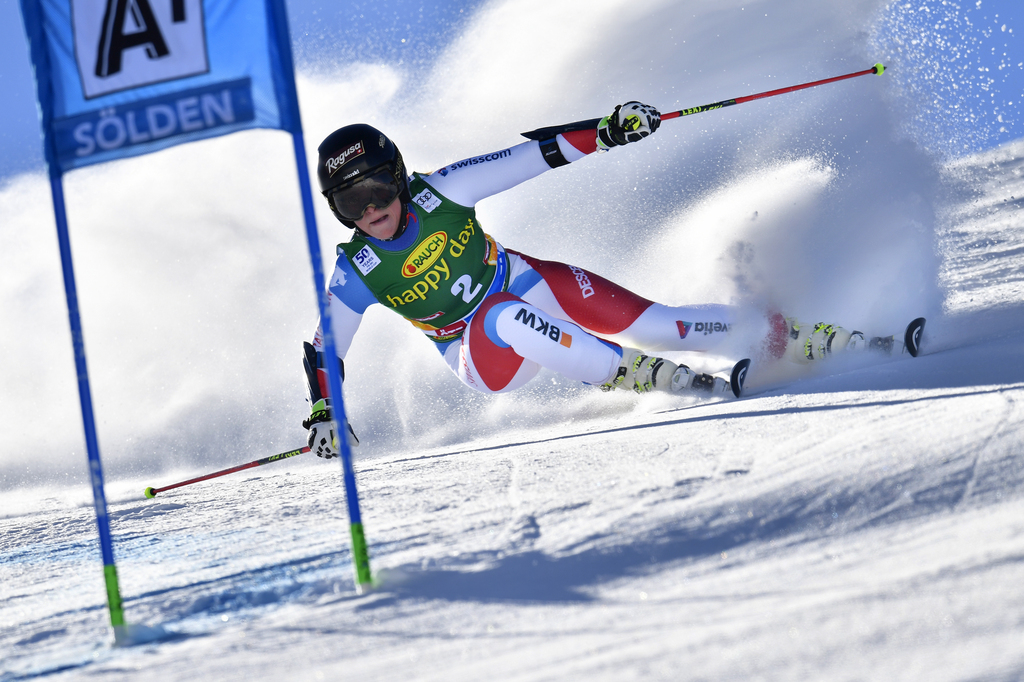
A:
909, 343
912, 337
739, 376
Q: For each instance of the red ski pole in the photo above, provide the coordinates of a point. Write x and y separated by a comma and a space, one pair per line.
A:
152, 492
591, 124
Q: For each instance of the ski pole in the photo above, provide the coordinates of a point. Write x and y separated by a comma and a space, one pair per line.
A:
150, 493
591, 124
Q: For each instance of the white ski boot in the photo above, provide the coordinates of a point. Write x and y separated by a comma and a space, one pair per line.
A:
642, 373
810, 342
645, 373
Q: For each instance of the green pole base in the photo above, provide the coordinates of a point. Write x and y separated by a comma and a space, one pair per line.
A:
148, 492
113, 595
361, 558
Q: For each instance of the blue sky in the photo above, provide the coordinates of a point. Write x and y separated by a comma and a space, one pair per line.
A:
410, 31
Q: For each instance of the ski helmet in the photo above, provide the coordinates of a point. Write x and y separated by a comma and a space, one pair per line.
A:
359, 166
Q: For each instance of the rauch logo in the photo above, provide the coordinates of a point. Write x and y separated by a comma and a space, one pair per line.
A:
424, 255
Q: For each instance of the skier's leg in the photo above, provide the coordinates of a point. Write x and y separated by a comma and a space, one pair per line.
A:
486, 366
510, 324
611, 311
507, 322
509, 338
508, 341
617, 314
679, 328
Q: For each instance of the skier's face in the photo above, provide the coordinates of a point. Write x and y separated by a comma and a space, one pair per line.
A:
381, 222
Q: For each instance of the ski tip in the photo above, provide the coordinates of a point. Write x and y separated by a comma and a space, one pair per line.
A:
149, 493
738, 376
912, 337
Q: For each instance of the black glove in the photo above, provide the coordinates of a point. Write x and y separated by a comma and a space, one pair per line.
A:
630, 122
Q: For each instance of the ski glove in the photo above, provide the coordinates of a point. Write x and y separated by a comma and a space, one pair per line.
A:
321, 438
630, 122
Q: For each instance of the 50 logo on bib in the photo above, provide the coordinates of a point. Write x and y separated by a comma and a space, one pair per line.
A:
122, 44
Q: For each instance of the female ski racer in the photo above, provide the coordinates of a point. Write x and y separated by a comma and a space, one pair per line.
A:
497, 315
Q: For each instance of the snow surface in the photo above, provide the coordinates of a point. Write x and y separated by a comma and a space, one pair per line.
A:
858, 520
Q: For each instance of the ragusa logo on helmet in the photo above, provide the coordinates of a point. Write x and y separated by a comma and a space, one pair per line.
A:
335, 164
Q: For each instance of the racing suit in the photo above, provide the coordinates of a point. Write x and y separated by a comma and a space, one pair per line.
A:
497, 315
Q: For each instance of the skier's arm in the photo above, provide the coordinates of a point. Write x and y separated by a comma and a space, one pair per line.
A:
348, 298
468, 181
321, 438
345, 322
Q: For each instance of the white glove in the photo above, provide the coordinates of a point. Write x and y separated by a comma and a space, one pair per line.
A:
630, 122
321, 439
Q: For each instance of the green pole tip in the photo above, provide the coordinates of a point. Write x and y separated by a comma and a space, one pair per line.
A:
879, 68
148, 492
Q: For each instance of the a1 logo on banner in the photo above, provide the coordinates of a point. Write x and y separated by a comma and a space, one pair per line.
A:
122, 44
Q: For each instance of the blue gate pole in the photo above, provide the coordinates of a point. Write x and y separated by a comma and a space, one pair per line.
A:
292, 122
360, 555
85, 397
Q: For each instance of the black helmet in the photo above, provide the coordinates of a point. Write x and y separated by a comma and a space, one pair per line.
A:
361, 153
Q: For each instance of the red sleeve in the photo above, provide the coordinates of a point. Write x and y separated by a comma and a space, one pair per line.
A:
583, 140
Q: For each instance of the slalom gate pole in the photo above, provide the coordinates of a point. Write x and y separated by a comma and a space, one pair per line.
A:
278, 18
591, 124
92, 447
150, 493
360, 554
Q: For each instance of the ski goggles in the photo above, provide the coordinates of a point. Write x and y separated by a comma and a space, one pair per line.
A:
378, 189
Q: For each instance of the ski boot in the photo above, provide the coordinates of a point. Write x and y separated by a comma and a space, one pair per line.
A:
641, 373
808, 342
644, 373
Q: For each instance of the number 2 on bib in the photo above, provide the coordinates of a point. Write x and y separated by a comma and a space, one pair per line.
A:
463, 286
